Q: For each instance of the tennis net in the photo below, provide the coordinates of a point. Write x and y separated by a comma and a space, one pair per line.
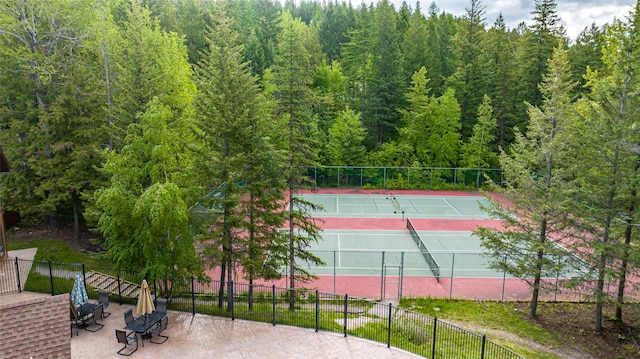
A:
433, 265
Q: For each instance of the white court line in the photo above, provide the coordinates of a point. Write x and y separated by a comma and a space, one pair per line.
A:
337, 206
454, 208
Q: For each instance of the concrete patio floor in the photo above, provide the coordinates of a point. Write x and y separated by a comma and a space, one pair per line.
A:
203, 336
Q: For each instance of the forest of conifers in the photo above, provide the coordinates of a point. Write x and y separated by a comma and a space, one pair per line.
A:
125, 113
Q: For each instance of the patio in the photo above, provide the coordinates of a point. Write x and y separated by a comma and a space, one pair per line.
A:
203, 336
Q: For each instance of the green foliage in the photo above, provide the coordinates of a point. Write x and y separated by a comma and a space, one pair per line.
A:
477, 151
346, 137
144, 219
536, 189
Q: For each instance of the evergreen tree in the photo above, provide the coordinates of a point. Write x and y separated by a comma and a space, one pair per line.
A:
414, 45
535, 48
230, 123
430, 126
606, 133
148, 63
478, 152
470, 79
535, 187
439, 55
293, 74
385, 90
501, 54
333, 30
585, 53
355, 61
48, 94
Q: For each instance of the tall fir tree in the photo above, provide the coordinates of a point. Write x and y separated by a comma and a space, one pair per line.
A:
526, 247
385, 91
470, 79
606, 133
293, 75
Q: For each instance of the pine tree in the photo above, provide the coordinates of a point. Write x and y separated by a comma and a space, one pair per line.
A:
478, 152
293, 75
470, 80
232, 130
430, 125
606, 133
501, 54
385, 90
148, 62
536, 188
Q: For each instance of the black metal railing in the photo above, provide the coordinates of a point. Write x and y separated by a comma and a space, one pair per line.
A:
367, 319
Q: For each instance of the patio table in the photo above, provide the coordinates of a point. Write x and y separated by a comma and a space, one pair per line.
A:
142, 324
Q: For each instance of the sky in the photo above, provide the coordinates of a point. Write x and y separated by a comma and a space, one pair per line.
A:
575, 15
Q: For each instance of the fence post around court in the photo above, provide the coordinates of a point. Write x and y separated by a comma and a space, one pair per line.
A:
18, 276
273, 299
346, 299
317, 310
231, 294
455, 178
453, 265
193, 297
382, 278
53, 292
334, 273
389, 327
435, 331
484, 343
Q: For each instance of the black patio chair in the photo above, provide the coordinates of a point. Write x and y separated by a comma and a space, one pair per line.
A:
161, 305
74, 321
103, 298
158, 330
93, 319
128, 316
126, 339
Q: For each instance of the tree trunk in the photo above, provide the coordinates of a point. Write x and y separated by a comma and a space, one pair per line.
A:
222, 284
76, 219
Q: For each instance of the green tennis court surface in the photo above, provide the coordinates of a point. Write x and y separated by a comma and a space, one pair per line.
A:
395, 206
457, 254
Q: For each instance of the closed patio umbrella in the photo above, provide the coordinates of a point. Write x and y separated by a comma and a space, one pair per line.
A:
145, 302
79, 292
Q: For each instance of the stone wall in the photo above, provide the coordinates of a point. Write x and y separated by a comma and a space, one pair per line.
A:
35, 328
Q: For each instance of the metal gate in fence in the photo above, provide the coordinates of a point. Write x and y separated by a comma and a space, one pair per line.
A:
9, 277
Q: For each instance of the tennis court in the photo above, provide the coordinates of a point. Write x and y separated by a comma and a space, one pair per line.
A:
415, 253
364, 252
392, 205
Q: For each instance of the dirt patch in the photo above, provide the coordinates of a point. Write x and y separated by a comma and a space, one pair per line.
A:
86, 242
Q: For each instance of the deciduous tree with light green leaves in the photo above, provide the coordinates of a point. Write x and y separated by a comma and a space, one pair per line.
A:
345, 146
145, 209
477, 151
